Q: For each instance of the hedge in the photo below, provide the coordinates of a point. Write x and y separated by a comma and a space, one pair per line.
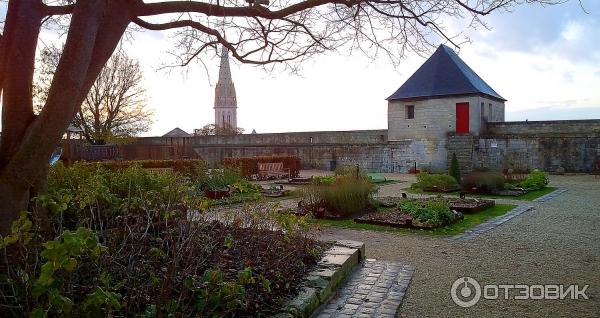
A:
249, 165
189, 168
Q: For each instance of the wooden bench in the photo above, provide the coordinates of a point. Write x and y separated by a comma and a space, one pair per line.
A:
272, 170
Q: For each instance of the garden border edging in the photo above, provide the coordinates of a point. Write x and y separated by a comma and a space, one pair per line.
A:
332, 270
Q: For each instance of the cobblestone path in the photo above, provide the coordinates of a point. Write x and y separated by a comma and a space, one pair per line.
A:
376, 289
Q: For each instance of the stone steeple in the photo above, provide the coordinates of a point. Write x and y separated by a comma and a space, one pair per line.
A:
225, 99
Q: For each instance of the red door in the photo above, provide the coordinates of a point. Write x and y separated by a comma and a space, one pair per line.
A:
462, 118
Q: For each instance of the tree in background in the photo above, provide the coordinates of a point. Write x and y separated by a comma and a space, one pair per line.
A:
286, 32
211, 130
454, 168
115, 106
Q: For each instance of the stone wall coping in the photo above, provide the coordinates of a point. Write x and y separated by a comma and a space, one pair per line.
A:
540, 135
538, 122
290, 145
318, 286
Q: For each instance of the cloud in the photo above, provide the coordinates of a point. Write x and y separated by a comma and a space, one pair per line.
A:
554, 113
564, 30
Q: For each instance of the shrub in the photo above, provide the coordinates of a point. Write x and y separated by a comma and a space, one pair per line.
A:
345, 197
167, 268
324, 180
484, 181
454, 168
535, 180
434, 211
95, 197
217, 179
350, 171
192, 169
249, 165
441, 181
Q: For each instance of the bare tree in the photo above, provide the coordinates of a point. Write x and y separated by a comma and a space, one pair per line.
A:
115, 105
212, 129
285, 31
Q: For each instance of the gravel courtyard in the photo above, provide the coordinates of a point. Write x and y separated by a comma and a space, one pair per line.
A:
557, 243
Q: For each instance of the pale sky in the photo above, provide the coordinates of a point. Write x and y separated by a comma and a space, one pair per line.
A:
545, 61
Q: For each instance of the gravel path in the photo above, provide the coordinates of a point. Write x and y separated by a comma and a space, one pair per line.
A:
557, 243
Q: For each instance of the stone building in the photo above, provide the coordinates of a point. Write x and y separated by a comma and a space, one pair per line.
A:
443, 96
225, 97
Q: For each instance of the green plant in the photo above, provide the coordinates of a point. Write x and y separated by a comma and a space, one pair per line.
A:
191, 169
94, 196
443, 182
483, 181
535, 180
433, 211
454, 170
20, 231
324, 180
217, 179
216, 297
62, 254
345, 197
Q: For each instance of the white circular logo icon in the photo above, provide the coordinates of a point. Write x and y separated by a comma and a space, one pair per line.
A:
465, 292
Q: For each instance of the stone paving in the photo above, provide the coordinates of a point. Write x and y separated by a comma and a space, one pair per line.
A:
551, 195
489, 225
376, 289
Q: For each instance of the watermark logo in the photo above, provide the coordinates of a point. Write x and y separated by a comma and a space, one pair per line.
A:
467, 291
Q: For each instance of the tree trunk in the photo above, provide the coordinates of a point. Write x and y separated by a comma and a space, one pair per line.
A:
14, 198
95, 30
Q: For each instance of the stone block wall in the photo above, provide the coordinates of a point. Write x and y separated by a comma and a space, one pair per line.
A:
574, 154
573, 145
589, 127
547, 145
463, 147
435, 118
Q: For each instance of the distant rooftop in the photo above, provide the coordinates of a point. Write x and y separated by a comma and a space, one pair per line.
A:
177, 132
443, 74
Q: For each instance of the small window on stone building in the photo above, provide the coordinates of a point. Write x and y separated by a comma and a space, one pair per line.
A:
490, 110
410, 111
482, 111
310, 140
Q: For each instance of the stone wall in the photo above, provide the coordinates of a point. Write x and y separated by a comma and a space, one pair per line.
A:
574, 154
369, 149
436, 117
573, 145
553, 127
547, 145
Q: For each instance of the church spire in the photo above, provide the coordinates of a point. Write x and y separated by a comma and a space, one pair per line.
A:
225, 98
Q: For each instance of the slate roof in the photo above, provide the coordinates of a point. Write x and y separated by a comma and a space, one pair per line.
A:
177, 132
443, 74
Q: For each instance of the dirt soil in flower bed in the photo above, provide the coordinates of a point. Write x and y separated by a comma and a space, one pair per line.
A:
510, 193
468, 206
177, 255
441, 190
393, 218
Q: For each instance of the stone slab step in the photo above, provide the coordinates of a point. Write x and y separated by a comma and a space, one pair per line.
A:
376, 289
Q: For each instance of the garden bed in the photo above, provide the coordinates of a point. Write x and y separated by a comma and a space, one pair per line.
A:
391, 218
436, 189
468, 222
395, 218
469, 206
126, 247
511, 192
426, 213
